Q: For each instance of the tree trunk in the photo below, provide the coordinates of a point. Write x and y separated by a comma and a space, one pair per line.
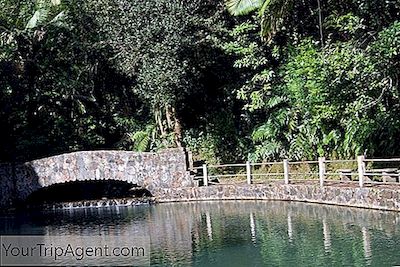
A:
168, 117
320, 23
177, 129
158, 119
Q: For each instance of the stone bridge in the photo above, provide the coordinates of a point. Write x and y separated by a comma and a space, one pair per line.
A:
152, 171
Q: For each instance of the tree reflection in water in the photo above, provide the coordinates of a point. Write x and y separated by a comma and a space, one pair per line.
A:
234, 233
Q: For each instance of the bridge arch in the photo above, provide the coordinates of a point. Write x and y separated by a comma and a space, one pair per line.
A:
166, 169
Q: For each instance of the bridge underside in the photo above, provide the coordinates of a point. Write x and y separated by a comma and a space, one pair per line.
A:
86, 190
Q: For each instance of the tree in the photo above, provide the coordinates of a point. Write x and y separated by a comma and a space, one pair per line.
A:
110, 74
58, 91
273, 14
337, 102
168, 51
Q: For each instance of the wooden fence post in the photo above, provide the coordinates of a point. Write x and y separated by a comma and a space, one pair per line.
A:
286, 170
248, 172
205, 175
322, 170
361, 170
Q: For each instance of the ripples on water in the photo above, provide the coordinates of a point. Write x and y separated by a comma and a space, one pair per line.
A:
242, 233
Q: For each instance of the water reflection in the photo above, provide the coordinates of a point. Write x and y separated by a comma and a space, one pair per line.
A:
252, 227
290, 227
327, 236
209, 226
366, 245
235, 233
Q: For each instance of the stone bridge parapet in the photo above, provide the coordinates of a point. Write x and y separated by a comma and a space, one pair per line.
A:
165, 169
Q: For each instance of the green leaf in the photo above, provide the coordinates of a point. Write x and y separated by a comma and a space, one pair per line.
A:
58, 17
55, 2
242, 7
34, 20
38, 17
141, 139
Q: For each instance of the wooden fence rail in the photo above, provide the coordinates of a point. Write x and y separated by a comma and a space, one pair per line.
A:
356, 173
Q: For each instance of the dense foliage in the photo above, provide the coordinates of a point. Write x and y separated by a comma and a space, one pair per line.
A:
322, 78
332, 93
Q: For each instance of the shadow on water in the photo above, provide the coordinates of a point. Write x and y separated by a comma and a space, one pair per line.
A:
21, 186
86, 190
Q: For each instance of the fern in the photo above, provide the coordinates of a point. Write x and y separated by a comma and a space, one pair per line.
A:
264, 132
142, 139
275, 101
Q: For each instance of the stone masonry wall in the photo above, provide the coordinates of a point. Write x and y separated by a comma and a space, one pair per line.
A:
149, 170
166, 176
369, 197
6, 184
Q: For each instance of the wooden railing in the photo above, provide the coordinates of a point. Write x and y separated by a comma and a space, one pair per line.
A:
359, 171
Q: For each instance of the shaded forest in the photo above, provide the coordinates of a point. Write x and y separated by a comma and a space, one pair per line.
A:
233, 80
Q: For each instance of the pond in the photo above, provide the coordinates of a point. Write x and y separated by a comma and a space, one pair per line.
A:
233, 233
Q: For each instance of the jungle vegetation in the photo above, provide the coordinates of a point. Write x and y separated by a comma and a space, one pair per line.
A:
230, 80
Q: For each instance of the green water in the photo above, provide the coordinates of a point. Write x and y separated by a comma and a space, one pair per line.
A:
234, 233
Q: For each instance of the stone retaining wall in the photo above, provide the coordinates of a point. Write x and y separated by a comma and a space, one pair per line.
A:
371, 197
7, 188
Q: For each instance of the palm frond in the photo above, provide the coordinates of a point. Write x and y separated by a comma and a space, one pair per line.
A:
47, 12
243, 7
273, 13
38, 17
